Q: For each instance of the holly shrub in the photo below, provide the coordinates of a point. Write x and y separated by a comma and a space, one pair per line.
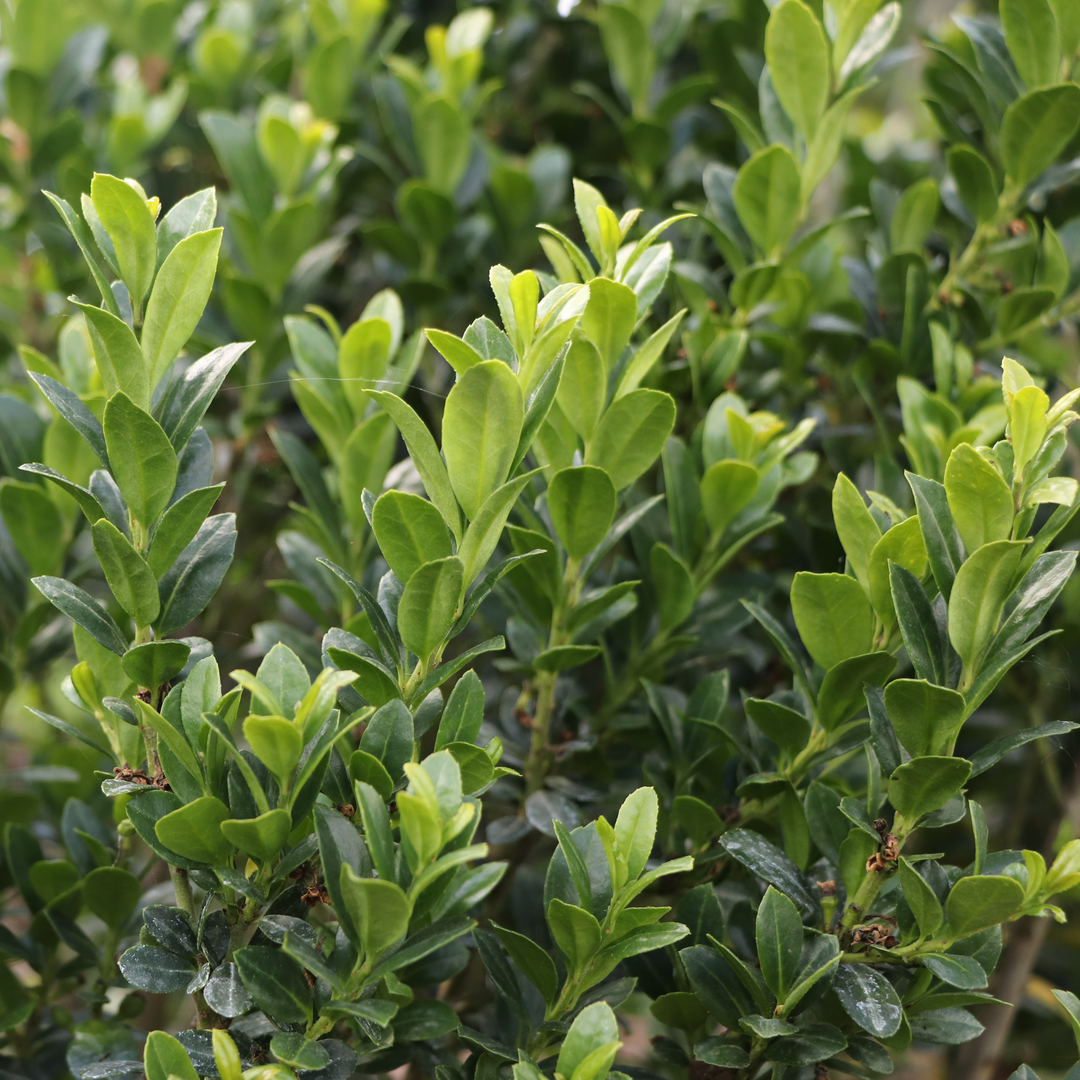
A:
524, 529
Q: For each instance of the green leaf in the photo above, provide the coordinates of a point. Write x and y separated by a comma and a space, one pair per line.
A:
112, 894
646, 357
444, 142
766, 192
833, 616
726, 490
630, 54
583, 387
721, 1052
155, 663
581, 501
276, 982
295, 1049
166, 1059
72, 409
181, 291
823, 150
1035, 130
130, 226
194, 831
379, 909
481, 426
142, 458
609, 318
790, 730
964, 972
924, 636
926, 784
460, 355
118, 354
595, 1026
363, 355
410, 531
990, 754
797, 53
534, 963
83, 609
562, 657
576, 933
858, 531
974, 181
926, 718
942, 541
178, 527
276, 742
979, 901
428, 604
635, 832
425, 456
262, 837
131, 580
922, 900
717, 985
1031, 35
779, 935
869, 999
193, 579
902, 545
842, 690
483, 533
914, 216
36, 525
464, 712
631, 435
980, 500
982, 586
389, 737
815, 1042
84, 238
672, 585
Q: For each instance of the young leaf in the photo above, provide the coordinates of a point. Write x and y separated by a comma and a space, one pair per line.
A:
143, 460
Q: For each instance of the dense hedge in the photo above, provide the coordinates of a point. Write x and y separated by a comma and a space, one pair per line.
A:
538, 540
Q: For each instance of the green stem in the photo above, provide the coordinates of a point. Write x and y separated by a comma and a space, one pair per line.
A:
185, 901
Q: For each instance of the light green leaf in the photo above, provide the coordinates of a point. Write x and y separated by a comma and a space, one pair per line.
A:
914, 216
980, 590
1031, 34
166, 1059
482, 535
428, 605
194, 831
276, 742
635, 832
481, 427
766, 193
646, 357
609, 318
858, 531
425, 456
833, 616
142, 458
903, 544
926, 718
1036, 128
631, 435
363, 355
262, 837
36, 525
926, 784
797, 53
176, 305
726, 490
460, 355
410, 531
118, 355
130, 225
979, 901
581, 501
980, 500
583, 387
